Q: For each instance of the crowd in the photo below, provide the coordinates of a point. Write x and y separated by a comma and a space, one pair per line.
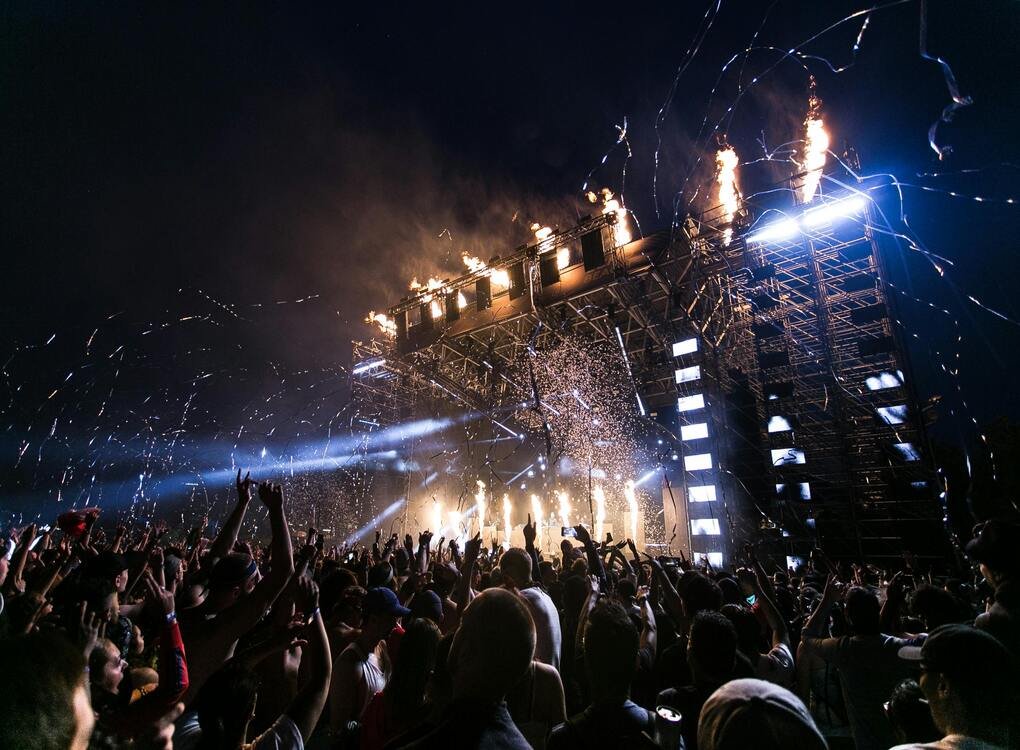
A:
159, 638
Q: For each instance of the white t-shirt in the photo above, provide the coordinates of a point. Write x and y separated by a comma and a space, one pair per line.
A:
548, 636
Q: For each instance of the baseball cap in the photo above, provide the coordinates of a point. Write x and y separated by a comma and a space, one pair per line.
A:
754, 713
995, 544
382, 601
427, 604
964, 653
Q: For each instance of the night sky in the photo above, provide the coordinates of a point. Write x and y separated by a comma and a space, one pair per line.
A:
210, 161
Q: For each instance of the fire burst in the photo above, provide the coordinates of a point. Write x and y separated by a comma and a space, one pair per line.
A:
600, 513
507, 527
816, 144
499, 276
726, 161
432, 285
386, 324
632, 506
536, 511
480, 504
564, 499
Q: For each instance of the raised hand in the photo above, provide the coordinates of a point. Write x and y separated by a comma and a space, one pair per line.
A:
833, 589
582, 535
244, 486
91, 629
472, 547
271, 495
530, 532
306, 598
160, 596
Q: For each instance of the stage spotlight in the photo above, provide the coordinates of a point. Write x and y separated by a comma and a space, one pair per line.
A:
780, 230
841, 209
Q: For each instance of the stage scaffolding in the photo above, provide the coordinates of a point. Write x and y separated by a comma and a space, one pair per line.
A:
814, 428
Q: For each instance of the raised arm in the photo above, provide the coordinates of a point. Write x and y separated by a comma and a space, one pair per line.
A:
769, 609
530, 533
238, 619
648, 625
15, 580
227, 538
307, 705
817, 623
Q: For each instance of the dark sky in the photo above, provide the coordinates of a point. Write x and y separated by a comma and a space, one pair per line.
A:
203, 159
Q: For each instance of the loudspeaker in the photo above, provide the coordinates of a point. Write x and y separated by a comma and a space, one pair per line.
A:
452, 310
483, 293
426, 316
549, 269
401, 318
592, 250
518, 282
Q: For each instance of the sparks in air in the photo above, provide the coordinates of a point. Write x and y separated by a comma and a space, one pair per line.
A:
564, 499
816, 146
726, 161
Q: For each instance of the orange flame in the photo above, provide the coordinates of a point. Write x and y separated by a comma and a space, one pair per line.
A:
726, 161
386, 324
816, 143
500, 277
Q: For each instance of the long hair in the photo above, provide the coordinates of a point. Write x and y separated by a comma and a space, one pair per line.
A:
405, 691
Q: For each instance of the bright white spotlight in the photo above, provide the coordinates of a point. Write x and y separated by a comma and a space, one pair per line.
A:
841, 209
367, 365
779, 230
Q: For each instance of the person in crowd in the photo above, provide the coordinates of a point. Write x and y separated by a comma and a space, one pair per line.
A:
402, 704
910, 715
995, 548
517, 566
868, 664
482, 675
712, 657
969, 679
238, 595
750, 713
359, 673
612, 719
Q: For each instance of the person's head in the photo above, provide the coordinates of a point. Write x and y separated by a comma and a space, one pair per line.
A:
414, 666
547, 573
700, 593
100, 596
516, 566
575, 591
226, 705
380, 610
44, 703
4, 565
232, 577
749, 639
381, 574
111, 566
910, 715
106, 666
863, 611
483, 666
994, 548
968, 678
711, 648
427, 604
753, 713
610, 650
731, 591
579, 568
935, 606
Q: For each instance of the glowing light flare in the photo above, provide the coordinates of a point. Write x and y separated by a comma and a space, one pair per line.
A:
816, 144
500, 277
632, 505
461, 301
480, 504
726, 161
562, 258
564, 499
386, 324
437, 518
537, 518
599, 495
507, 526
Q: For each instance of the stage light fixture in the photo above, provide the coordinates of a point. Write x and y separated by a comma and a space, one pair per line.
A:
703, 493
780, 230
367, 366
694, 431
841, 209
